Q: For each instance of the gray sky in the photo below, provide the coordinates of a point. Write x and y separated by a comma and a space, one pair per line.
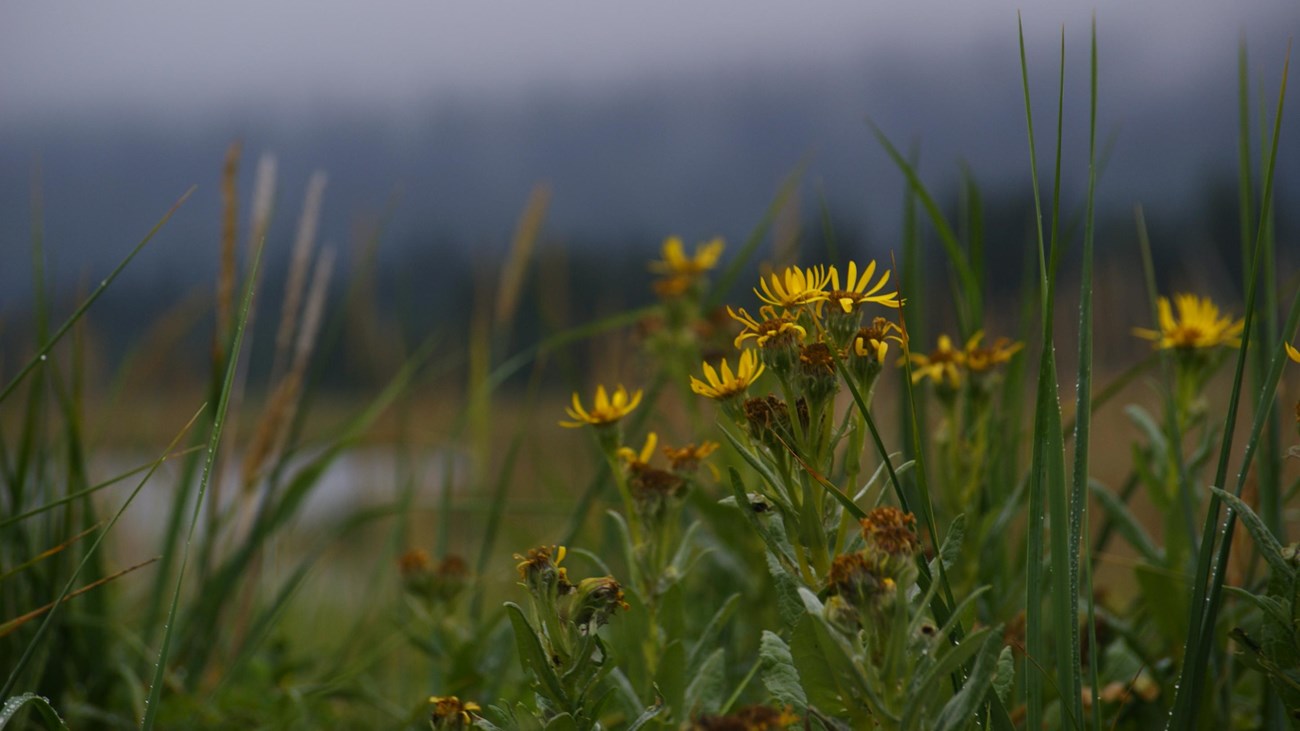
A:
181, 56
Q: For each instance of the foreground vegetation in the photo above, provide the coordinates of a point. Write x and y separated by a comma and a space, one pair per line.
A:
758, 543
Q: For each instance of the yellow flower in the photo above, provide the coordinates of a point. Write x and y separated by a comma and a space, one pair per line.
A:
979, 359
942, 364
687, 458
1292, 352
773, 328
795, 287
748, 369
870, 342
451, 712
639, 459
606, 410
1198, 325
855, 291
677, 264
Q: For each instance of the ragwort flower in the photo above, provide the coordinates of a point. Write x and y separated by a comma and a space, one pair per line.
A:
1292, 353
606, 410
982, 358
677, 264
855, 290
450, 712
872, 341
794, 287
773, 330
1198, 325
729, 384
942, 365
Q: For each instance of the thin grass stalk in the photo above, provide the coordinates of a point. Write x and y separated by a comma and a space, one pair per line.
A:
513, 271
16, 672
1035, 647
48, 343
300, 259
1079, 519
1173, 430
1207, 591
952, 246
85, 492
214, 441
229, 253
912, 414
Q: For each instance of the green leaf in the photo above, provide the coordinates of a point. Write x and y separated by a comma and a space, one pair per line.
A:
562, 722
950, 551
42, 706
704, 694
1005, 679
533, 658
645, 717
1126, 523
960, 711
671, 676
709, 635
780, 676
1268, 545
928, 683
787, 591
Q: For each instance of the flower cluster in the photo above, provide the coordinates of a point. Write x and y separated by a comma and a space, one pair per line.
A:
810, 321
865, 584
949, 367
437, 584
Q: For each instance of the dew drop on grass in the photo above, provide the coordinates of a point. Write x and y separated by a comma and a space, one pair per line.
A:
42, 356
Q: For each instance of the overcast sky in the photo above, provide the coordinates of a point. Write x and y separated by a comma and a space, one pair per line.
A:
163, 55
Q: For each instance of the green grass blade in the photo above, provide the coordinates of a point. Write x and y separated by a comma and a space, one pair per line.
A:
969, 286
49, 343
1047, 466
1207, 592
73, 496
16, 672
49, 717
1079, 519
214, 441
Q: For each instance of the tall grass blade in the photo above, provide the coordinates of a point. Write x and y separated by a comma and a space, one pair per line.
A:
1079, 520
50, 342
1206, 590
16, 672
1047, 466
214, 441
967, 294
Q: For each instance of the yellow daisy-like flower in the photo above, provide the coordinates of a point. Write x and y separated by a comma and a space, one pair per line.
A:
451, 712
855, 291
773, 328
677, 264
1292, 353
606, 410
1198, 325
871, 342
729, 384
980, 359
687, 458
642, 458
942, 365
794, 287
